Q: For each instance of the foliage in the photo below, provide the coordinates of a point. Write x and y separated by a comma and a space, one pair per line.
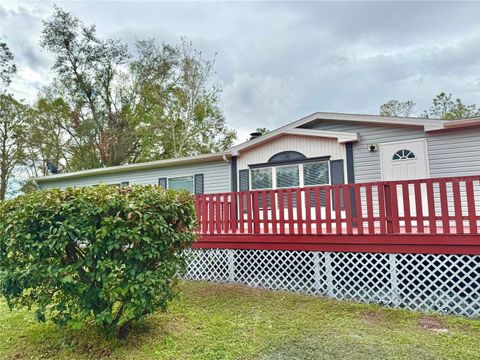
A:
7, 68
179, 100
122, 107
262, 131
397, 108
12, 139
444, 107
105, 253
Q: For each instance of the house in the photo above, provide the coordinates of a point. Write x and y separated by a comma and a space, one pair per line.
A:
322, 148
368, 208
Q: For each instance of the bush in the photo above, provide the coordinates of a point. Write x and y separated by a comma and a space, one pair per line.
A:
107, 254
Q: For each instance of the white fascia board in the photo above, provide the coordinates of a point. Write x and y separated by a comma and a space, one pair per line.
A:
342, 137
132, 167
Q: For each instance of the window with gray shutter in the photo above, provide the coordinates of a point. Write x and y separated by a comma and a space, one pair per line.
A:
243, 176
337, 176
162, 182
199, 188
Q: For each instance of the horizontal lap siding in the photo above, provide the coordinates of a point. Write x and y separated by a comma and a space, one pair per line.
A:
367, 163
216, 177
454, 153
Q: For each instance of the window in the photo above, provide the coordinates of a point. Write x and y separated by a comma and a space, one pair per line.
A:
286, 156
262, 178
181, 183
287, 176
316, 173
403, 155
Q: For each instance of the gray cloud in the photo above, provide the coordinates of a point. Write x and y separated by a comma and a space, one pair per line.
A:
280, 61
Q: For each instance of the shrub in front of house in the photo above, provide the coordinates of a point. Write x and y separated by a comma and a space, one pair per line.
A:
105, 254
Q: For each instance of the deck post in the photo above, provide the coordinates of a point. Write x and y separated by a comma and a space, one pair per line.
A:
329, 274
231, 265
317, 272
393, 279
388, 207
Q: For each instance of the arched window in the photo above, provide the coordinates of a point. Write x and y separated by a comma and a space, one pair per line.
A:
286, 156
403, 154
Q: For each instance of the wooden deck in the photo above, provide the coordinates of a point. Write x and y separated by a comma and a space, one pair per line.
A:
429, 215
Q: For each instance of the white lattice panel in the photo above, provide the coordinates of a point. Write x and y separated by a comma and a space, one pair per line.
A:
442, 283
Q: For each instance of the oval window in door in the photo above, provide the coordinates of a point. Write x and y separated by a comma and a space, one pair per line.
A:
403, 154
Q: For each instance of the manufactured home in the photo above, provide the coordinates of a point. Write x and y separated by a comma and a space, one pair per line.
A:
368, 208
320, 149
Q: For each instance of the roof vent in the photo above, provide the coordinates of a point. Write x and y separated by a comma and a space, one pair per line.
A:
255, 135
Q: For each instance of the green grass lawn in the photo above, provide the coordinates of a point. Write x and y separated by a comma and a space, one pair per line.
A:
234, 322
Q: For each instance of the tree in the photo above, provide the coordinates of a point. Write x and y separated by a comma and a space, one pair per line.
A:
12, 139
162, 103
444, 107
7, 67
47, 138
90, 72
179, 100
262, 131
397, 108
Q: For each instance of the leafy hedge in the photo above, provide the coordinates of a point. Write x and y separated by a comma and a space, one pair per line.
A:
104, 253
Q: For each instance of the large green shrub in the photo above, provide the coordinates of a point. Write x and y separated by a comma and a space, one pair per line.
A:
107, 254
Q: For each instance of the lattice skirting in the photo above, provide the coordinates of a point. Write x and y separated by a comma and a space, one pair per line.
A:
442, 283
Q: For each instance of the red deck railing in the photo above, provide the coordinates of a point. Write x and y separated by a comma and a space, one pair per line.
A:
371, 211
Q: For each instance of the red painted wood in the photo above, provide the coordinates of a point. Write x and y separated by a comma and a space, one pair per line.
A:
432, 223
233, 212
444, 206
348, 209
299, 204
241, 211
359, 210
412, 244
394, 204
281, 211
369, 205
457, 204
249, 212
265, 211
338, 208
291, 225
211, 214
381, 208
419, 207
273, 207
308, 211
406, 207
230, 213
472, 216
318, 210
328, 210
256, 212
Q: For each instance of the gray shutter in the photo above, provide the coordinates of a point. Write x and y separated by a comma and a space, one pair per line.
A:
337, 176
244, 179
162, 182
199, 188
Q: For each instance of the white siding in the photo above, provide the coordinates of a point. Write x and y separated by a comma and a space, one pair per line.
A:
309, 146
216, 177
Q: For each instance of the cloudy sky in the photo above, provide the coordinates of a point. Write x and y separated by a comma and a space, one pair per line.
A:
280, 61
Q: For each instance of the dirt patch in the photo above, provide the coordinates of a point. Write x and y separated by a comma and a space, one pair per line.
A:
431, 323
374, 317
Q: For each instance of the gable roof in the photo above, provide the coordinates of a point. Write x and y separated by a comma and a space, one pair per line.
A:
427, 124
289, 129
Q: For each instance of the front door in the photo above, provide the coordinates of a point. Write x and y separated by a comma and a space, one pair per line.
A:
405, 160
